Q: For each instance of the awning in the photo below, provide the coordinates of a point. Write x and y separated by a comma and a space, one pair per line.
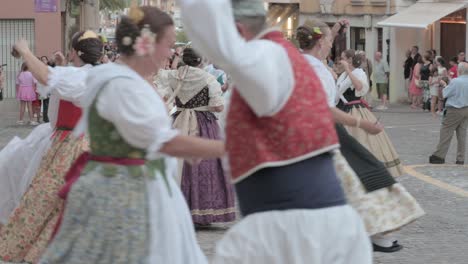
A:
421, 15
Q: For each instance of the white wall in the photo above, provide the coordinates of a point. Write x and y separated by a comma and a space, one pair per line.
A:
401, 40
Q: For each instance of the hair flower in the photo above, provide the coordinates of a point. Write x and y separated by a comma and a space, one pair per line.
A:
144, 44
127, 41
317, 32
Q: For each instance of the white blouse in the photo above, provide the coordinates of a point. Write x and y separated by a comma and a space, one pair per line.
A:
261, 69
131, 104
326, 78
344, 83
64, 83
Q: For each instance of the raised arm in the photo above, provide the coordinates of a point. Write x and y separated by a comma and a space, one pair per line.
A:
68, 83
39, 70
260, 69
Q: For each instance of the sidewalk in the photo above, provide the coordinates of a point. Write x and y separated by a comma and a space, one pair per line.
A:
9, 112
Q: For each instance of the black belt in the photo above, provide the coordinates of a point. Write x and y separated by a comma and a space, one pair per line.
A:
64, 128
308, 184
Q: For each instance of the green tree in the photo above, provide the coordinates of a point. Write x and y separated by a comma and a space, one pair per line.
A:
182, 36
114, 5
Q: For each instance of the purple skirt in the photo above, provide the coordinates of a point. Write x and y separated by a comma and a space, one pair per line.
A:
208, 192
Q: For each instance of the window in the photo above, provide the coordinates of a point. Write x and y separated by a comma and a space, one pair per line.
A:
358, 38
380, 39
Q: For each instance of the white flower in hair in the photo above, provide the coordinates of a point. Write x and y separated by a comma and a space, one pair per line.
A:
127, 41
80, 53
144, 44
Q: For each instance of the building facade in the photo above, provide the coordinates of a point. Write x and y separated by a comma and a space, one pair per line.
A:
388, 26
170, 7
40, 25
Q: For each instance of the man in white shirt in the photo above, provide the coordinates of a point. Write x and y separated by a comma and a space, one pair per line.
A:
456, 119
381, 74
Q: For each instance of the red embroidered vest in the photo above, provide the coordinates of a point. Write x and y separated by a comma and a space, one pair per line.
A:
302, 129
68, 115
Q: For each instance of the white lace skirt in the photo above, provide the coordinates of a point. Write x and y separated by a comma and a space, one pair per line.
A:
383, 210
334, 235
19, 161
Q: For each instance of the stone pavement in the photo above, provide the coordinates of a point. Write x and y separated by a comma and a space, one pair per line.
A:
440, 237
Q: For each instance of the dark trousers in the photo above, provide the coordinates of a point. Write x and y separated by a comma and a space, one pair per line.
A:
456, 120
45, 105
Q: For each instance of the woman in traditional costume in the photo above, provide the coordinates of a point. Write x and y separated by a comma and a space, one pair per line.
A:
126, 207
352, 85
198, 96
383, 204
28, 229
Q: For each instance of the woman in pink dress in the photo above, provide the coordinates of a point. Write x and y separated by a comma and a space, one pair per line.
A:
26, 93
415, 91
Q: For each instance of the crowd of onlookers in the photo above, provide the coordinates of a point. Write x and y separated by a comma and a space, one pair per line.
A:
426, 76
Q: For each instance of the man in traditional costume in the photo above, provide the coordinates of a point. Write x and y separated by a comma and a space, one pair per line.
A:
279, 137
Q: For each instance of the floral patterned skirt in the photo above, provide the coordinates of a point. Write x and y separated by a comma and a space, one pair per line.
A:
29, 228
384, 210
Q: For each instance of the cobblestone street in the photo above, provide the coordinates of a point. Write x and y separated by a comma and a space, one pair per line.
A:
440, 237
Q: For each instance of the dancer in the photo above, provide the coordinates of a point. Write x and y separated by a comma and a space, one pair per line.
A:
279, 137
29, 227
383, 204
352, 86
127, 208
198, 96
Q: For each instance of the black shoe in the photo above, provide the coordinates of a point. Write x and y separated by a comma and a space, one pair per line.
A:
436, 160
394, 248
460, 162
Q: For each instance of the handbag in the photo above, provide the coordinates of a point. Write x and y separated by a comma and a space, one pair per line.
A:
1, 95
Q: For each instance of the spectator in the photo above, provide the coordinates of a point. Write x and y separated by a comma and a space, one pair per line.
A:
415, 55
45, 59
425, 79
2, 81
442, 73
26, 93
453, 72
408, 66
381, 74
456, 119
461, 57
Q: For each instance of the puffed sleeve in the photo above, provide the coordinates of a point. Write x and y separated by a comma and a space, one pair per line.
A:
68, 83
215, 92
362, 76
138, 113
